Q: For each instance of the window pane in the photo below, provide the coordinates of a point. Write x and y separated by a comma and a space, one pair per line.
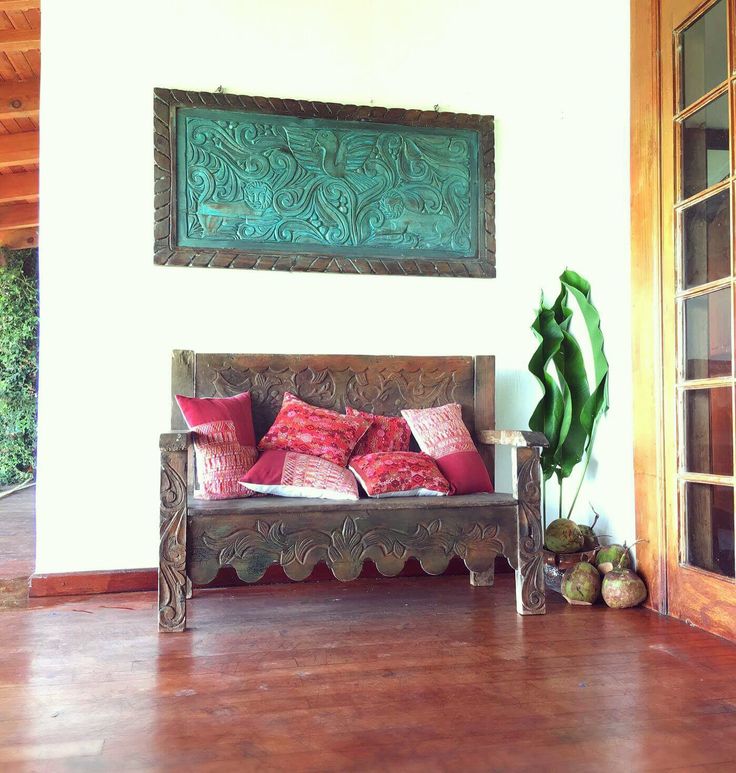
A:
705, 147
708, 335
706, 246
709, 520
709, 431
704, 60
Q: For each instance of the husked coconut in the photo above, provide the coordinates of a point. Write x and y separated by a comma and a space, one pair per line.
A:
581, 584
563, 536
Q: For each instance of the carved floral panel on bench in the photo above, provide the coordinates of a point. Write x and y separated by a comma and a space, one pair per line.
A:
298, 548
384, 389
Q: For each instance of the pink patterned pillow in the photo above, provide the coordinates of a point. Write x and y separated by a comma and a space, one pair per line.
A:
386, 433
399, 474
288, 474
224, 443
442, 434
307, 429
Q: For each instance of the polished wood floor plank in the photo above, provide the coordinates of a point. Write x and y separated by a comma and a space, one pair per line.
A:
18, 535
410, 674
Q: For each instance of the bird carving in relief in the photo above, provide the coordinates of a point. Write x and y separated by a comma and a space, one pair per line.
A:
323, 152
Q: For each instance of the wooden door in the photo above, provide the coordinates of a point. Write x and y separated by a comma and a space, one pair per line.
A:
698, 81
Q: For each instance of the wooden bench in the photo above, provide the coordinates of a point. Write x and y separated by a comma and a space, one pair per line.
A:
199, 537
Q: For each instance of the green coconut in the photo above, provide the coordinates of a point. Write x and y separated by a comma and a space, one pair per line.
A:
581, 584
611, 556
563, 536
590, 541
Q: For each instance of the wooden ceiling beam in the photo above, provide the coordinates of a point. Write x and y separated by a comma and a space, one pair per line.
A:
18, 149
20, 239
13, 216
22, 186
19, 99
20, 5
19, 40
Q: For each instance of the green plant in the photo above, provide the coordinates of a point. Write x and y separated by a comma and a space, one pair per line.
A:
571, 404
18, 366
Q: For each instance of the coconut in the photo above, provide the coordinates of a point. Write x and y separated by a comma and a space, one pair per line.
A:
590, 541
563, 536
581, 584
610, 556
622, 587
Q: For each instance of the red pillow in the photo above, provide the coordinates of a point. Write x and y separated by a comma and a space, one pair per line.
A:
224, 443
399, 474
288, 474
307, 429
442, 435
386, 433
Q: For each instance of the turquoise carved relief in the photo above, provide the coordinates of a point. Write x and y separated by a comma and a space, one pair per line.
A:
285, 184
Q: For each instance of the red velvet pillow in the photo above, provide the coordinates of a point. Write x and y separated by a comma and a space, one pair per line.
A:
386, 433
224, 443
442, 435
399, 474
307, 429
288, 474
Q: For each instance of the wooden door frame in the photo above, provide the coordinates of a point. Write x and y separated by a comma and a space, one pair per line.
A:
646, 297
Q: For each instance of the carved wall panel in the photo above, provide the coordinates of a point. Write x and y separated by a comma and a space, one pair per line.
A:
250, 182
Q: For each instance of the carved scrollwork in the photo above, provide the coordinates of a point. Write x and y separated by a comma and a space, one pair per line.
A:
388, 391
172, 580
531, 590
344, 549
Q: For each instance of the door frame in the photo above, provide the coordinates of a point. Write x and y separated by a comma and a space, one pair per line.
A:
646, 296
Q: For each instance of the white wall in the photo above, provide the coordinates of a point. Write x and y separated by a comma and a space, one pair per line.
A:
110, 318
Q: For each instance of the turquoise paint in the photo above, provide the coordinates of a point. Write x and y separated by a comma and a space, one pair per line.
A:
249, 181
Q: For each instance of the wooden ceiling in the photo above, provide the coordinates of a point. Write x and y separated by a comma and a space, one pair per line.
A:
20, 68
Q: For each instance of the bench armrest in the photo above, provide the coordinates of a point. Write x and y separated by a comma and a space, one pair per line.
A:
512, 437
175, 441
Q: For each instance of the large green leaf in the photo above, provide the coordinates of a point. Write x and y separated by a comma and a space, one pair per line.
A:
549, 414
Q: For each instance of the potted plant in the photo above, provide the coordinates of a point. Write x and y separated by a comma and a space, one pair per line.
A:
572, 403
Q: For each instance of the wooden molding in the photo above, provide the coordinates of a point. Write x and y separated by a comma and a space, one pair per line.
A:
14, 216
646, 256
19, 239
18, 149
22, 186
20, 5
19, 99
134, 580
19, 40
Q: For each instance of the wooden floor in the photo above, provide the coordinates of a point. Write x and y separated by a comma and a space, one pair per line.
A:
410, 674
17, 545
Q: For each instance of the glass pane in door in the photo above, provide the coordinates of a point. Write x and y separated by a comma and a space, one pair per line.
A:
709, 431
710, 527
708, 335
705, 158
706, 242
704, 54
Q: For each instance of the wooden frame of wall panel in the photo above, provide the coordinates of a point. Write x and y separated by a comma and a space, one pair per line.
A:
646, 289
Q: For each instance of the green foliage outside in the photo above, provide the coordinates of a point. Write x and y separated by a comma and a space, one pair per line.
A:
572, 403
18, 366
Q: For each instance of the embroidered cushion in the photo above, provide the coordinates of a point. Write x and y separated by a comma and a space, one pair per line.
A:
441, 433
289, 474
307, 429
399, 474
224, 443
386, 433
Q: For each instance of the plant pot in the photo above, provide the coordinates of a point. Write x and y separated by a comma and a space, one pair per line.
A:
555, 565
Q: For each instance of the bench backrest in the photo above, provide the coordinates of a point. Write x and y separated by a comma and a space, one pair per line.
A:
378, 384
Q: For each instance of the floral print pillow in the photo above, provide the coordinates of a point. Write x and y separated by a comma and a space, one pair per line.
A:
386, 433
399, 474
306, 429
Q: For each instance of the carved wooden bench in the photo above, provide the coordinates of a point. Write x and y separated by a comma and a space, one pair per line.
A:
199, 537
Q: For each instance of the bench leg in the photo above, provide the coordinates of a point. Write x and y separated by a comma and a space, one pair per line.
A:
530, 599
173, 584
482, 579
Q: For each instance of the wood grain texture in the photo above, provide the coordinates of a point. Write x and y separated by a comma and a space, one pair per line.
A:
646, 257
18, 149
18, 216
172, 577
19, 187
19, 239
19, 99
409, 674
17, 546
19, 40
168, 253
182, 383
530, 590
